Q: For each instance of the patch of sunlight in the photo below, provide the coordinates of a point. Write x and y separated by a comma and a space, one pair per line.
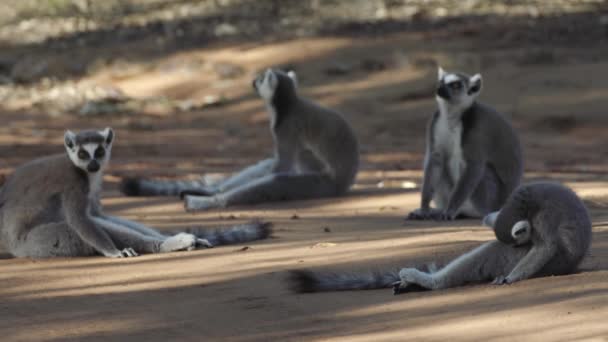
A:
489, 316
273, 54
99, 275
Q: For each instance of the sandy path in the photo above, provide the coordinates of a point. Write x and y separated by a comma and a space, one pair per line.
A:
233, 294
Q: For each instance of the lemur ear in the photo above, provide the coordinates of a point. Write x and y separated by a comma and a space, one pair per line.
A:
69, 139
272, 78
440, 73
475, 84
490, 219
108, 133
294, 77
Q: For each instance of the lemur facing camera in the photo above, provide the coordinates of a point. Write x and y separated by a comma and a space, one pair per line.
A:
50, 207
473, 158
316, 154
543, 229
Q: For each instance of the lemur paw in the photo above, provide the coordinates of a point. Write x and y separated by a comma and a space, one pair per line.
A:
399, 287
203, 243
445, 216
501, 280
179, 242
431, 214
127, 253
422, 214
407, 277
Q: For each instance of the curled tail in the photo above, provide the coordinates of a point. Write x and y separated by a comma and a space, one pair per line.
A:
256, 230
149, 187
304, 281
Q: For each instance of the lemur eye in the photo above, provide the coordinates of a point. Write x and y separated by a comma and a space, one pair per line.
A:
456, 85
99, 153
84, 155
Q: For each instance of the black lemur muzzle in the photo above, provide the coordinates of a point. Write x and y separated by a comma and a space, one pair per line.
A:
93, 166
442, 91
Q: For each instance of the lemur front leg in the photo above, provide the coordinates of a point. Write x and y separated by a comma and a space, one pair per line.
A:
141, 243
147, 231
432, 170
466, 185
249, 174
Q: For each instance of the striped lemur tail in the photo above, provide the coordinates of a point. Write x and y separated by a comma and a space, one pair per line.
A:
256, 230
149, 187
306, 281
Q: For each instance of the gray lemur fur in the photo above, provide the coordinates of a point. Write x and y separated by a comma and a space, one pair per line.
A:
556, 231
50, 207
316, 153
473, 158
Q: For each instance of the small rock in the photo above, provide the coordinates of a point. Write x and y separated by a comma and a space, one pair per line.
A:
338, 69
185, 105
212, 101
408, 185
324, 245
538, 57
373, 65
244, 248
228, 70
295, 217
28, 70
103, 107
225, 29
327, 230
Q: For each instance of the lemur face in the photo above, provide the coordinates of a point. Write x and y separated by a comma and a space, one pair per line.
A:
457, 87
267, 83
89, 150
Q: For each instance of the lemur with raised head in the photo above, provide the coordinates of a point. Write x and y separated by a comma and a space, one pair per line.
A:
543, 229
473, 158
50, 207
316, 154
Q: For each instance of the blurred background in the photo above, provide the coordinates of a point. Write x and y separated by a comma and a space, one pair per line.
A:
173, 77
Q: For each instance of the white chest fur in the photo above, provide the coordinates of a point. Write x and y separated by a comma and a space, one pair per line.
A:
272, 112
95, 181
447, 141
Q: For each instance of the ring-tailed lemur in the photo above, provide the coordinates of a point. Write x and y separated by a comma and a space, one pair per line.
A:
316, 155
473, 158
543, 229
50, 207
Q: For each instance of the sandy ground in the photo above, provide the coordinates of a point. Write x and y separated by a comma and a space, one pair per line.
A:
558, 104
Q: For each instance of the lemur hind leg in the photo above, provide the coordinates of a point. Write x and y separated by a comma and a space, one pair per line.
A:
249, 174
484, 263
487, 197
51, 240
125, 237
272, 188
